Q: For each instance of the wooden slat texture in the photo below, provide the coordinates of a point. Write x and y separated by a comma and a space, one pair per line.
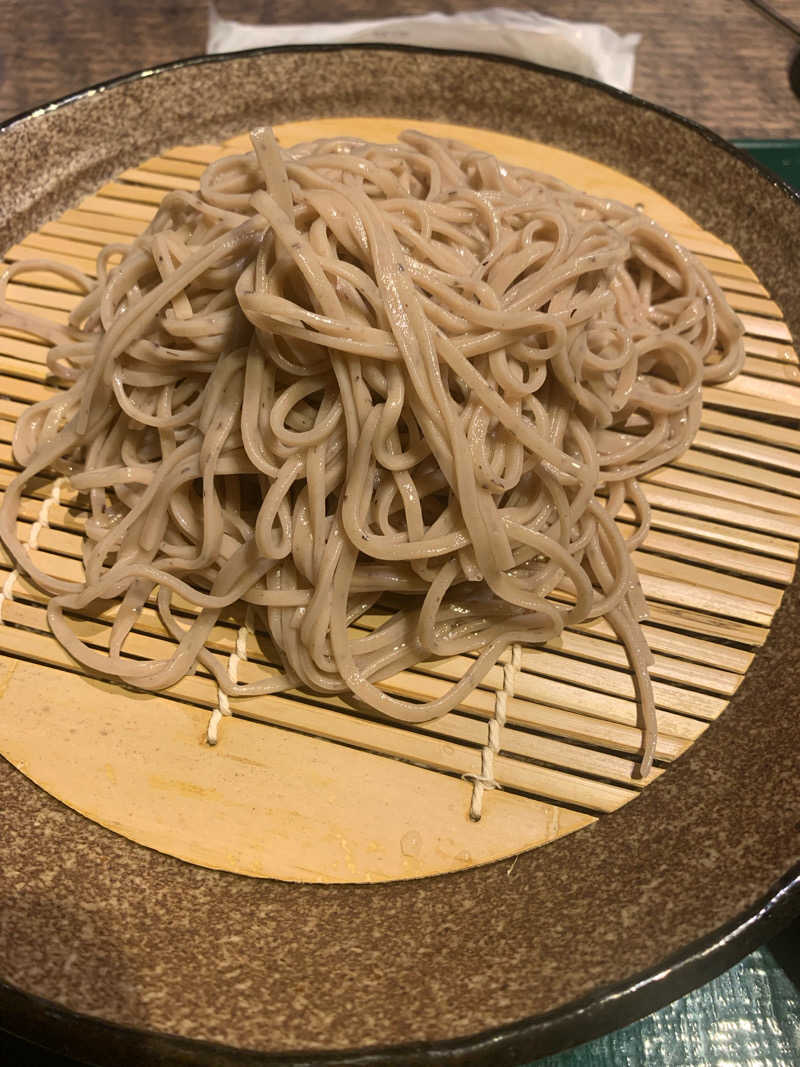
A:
772, 350
744, 473
779, 370
722, 547
411, 818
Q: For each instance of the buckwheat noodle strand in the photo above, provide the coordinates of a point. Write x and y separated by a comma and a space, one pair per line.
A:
350, 376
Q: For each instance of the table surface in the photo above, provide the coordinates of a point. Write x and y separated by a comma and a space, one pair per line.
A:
720, 63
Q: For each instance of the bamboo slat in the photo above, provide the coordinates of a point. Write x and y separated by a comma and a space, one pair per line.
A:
751, 429
143, 178
86, 222
754, 304
744, 473
771, 350
722, 548
753, 451
777, 369
759, 326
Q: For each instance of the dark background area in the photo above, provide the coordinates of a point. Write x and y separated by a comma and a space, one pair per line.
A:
719, 62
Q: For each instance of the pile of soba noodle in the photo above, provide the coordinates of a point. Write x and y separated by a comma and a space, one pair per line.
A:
352, 373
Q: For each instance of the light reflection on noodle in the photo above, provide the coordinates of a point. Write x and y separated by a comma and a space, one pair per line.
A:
353, 373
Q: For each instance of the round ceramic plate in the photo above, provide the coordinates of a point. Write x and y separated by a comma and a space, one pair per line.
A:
116, 952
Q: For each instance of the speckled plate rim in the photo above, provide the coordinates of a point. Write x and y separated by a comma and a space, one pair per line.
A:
51, 1026
222, 57
606, 1007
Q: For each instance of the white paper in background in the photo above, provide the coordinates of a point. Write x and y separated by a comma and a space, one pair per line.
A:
587, 48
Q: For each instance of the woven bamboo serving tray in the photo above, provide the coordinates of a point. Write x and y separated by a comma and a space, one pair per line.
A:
300, 787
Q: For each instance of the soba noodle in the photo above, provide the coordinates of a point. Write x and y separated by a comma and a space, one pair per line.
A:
353, 374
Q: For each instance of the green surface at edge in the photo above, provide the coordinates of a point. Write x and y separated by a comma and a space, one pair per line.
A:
781, 157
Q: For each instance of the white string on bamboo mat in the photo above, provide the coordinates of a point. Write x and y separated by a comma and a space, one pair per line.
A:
42, 522
43, 518
486, 779
7, 592
236, 657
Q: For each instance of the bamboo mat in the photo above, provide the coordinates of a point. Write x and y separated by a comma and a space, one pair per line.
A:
300, 786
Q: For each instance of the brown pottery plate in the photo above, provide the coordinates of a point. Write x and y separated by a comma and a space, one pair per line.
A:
122, 955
